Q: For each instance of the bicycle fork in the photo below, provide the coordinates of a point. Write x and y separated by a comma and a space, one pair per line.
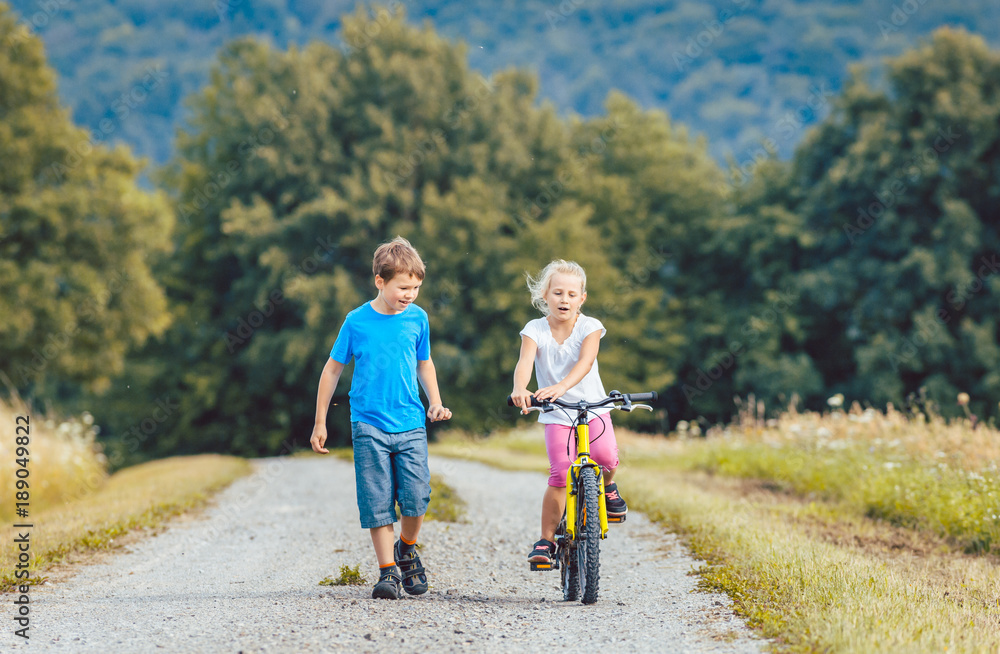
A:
584, 466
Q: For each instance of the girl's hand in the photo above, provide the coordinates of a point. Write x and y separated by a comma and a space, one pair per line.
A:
521, 397
551, 392
438, 412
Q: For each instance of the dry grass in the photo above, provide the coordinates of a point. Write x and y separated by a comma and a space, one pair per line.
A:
64, 460
518, 449
142, 496
813, 593
925, 437
919, 472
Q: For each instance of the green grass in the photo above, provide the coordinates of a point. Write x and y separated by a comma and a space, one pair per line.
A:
348, 577
140, 497
957, 504
445, 504
813, 595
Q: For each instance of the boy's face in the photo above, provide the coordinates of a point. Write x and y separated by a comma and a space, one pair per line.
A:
564, 296
398, 292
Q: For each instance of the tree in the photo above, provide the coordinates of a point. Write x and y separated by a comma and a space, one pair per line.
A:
899, 188
296, 165
656, 201
76, 236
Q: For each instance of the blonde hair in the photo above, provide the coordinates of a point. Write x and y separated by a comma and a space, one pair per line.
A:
539, 286
397, 257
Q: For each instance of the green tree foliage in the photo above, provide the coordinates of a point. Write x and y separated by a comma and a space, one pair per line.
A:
299, 163
886, 228
656, 199
76, 291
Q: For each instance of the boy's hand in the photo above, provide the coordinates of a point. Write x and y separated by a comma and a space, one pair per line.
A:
438, 412
521, 397
318, 439
551, 392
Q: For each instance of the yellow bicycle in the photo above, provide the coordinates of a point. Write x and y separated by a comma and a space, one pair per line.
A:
585, 522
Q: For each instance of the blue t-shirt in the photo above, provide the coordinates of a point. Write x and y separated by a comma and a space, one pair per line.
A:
386, 348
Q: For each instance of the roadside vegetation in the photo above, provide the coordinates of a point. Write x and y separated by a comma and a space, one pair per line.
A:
63, 460
845, 531
139, 497
348, 577
76, 507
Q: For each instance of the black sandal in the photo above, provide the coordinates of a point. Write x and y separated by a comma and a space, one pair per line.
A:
414, 575
388, 584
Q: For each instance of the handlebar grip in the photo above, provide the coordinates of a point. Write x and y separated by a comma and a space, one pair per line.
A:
642, 397
534, 401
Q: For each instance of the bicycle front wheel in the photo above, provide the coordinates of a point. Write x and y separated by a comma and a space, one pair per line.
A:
588, 533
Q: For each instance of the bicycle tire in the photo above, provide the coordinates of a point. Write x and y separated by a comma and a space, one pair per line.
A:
569, 573
588, 533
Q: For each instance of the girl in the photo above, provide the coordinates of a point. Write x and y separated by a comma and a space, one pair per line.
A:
563, 346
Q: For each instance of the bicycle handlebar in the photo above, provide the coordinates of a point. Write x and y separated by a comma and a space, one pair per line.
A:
615, 397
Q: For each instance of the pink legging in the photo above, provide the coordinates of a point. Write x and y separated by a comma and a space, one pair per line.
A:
604, 450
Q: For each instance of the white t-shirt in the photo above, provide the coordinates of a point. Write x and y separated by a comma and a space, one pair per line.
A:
554, 361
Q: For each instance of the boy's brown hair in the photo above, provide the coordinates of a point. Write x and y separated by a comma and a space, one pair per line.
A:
397, 257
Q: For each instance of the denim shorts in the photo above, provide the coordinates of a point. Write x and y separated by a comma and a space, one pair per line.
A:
390, 469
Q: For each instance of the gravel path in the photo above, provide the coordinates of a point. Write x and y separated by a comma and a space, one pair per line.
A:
243, 576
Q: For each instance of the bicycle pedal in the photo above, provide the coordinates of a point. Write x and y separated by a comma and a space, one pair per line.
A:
616, 518
554, 565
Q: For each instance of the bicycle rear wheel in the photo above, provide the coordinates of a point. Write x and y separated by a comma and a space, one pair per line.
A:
569, 573
588, 533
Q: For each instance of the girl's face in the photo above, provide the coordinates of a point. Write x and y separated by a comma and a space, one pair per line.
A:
564, 296
399, 292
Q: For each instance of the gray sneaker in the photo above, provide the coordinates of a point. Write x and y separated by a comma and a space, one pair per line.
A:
388, 585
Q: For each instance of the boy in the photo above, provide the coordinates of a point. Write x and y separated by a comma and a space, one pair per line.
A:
390, 343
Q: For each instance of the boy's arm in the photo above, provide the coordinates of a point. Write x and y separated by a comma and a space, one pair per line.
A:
427, 375
328, 380
588, 354
522, 374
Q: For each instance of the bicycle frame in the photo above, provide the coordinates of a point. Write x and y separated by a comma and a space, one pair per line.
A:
583, 465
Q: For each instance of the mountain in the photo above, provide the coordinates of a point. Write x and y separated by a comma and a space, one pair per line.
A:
737, 71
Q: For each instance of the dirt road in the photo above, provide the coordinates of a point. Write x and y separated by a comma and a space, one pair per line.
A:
243, 576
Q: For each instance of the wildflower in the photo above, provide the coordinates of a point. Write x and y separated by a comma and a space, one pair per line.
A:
963, 399
682, 426
836, 401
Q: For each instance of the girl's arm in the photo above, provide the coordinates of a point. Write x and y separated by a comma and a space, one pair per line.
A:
588, 354
328, 381
427, 375
522, 374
